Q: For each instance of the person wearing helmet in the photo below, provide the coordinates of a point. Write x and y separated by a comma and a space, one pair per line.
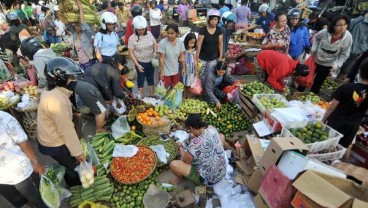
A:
16, 27
142, 50
55, 128
223, 7
182, 11
210, 42
136, 10
278, 66
107, 41
97, 88
82, 45
299, 35
227, 25
38, 57
155, 20
265, 19
243, 13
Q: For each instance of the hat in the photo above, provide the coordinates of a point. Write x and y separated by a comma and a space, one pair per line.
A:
301, 70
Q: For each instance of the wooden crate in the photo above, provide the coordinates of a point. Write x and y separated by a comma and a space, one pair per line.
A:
248, 107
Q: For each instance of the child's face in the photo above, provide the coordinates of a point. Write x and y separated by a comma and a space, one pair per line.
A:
191, 43
221, 72
124, 76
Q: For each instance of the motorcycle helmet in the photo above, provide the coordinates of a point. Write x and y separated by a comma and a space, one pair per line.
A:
294, 13
108, 17
213, 13
301, 70
11, 16
228, 17
58, 69
29, 47
139, 22
136, 10
262, 8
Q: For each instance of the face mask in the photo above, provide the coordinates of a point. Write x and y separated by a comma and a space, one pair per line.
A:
71, 85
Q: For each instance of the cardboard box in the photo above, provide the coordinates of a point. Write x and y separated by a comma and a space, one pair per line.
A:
276, 189
357, 174
249, 156
259, 202
292, 163
272, 122
317, 190
359, 156
276, 148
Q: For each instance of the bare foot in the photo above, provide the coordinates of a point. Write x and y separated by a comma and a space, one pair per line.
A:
175, 180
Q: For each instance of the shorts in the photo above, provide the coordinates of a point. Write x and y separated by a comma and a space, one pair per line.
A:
91, 97
147, 74
194, 176
171, 80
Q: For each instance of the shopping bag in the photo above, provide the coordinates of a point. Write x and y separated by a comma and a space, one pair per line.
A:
160, 89
50, 190
231, 91
175, 96
120, 127
196, 88
118, 106
86, 173
307, 81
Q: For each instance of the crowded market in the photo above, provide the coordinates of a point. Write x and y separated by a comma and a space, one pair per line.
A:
181, 104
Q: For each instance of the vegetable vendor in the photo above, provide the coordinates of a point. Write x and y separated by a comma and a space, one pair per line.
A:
107, 40
215, 82
19, 164
227, 25
278, 66
98, 87
348, 107
55, 128
203, 159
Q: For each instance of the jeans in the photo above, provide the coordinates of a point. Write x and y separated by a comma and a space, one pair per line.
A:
52, 39
27, 190
147, 74
321, 74
207, 67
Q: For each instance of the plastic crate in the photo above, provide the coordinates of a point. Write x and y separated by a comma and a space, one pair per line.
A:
332, 141
329, 156
258, 104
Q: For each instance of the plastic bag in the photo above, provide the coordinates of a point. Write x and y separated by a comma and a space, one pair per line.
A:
196, 88
92, 154
160, 89
232, 92
50, 190
161, 152
308, 80
86, 174
120, 127
118, 106
20, 81
175, 96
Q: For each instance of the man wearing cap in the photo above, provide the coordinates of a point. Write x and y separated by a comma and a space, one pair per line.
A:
278, 66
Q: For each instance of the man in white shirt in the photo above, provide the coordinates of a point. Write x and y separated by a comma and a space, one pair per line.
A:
18, 162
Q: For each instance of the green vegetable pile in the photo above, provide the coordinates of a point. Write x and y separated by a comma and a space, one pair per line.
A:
59, 47
311, 97
50, 190
310, 133
229, 119
256, 88
190, 106
169, 145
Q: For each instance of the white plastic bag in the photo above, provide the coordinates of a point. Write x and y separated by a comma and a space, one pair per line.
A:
118, 106
50, 190
161, 152
86, 174
120, 127
160, 89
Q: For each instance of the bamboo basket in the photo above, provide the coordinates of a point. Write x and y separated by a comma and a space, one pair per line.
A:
29, 120
157, 129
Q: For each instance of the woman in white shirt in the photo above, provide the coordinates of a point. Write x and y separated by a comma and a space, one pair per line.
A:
18, 163
155, 19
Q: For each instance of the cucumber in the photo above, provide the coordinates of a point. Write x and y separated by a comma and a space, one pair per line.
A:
108, 151
109, 145
96, 143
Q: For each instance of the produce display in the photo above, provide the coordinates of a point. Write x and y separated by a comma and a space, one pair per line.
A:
256, 35
69, 12
8, 86
331, 150
270, 103
132, 195
151, 118
190, 106
101, 190
229, 119
310, 96
310, 133
130, 102
324, 104
256, 88
59, 47
129, 170
163, 110
7, 99
330, 84
103, 146
89, 204
169, 145
234, 51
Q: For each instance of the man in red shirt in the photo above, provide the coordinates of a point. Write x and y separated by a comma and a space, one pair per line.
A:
277, 66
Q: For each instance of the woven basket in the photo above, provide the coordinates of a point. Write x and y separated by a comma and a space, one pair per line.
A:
29, 120
157, 129
171, 158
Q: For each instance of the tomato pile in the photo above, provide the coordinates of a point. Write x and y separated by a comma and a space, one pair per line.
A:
130, 170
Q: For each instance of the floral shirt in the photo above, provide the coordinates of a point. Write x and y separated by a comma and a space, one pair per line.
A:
208, 156
143, 47
275, 36
14, 164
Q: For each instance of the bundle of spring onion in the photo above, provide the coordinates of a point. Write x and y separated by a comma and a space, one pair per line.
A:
101, 190
69, 12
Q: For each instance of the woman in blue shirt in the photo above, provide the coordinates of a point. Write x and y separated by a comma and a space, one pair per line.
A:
299, 35
107, 41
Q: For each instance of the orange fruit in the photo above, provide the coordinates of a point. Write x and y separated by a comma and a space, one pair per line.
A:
157, 118
150, 114
132, 128
150, 109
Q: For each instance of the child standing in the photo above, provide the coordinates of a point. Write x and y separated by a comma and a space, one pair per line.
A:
190, 42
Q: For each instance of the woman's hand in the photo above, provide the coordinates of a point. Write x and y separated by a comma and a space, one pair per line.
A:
161, 75
218, 105
81, 158
140, 68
